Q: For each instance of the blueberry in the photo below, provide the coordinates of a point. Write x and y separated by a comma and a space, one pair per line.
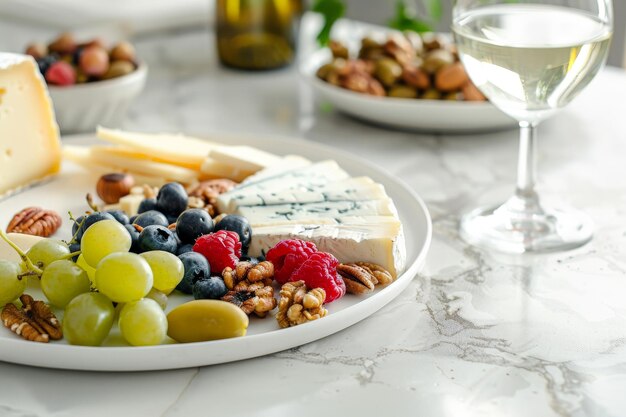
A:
76, 55
75, 225
74, 247
150, 218
90, 220
172, 199
120, 216
192, 224
184, 248
133, 218
147, 205
172, 219
196, 267
45, 62
134, 235
157, 238
239, 225
212, 288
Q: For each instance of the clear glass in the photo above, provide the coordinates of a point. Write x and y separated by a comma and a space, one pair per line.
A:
530, 58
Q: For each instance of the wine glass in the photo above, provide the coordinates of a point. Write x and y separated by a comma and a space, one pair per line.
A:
530, 58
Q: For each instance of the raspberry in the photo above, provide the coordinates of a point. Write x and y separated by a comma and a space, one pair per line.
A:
222, 249
61, 73
320, 270
287, 256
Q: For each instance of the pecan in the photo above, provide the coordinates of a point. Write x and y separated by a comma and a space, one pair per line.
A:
358, 280
362, 277
297, 305
245, 300
35, 221
247, 271
383, 276
34, 322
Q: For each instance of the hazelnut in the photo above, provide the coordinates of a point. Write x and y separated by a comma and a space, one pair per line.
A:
112, 187
123, 51
64, 44
37, 50
118, 69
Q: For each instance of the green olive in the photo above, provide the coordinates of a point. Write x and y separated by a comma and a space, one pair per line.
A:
402, 91
431, 94
436, 60
387, 71
202, 320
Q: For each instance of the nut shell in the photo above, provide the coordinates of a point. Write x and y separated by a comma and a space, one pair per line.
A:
451, 78
112, 187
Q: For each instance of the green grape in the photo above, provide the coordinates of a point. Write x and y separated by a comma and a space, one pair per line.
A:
143, 323
159, 297
104, 238
123, 277
91, 271
167, 269
11, 286
88, 319
62, 281
46, 251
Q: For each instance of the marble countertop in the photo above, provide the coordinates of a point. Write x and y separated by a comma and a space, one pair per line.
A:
475, 334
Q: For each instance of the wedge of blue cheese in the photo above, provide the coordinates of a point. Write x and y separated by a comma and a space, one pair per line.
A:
350, 217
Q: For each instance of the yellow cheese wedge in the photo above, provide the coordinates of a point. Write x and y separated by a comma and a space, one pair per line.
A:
132, 153
214, 169
29, 136
172, 148
244, 157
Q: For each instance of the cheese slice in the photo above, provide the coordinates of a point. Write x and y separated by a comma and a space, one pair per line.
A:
215, 169
172, 148
132, 153
244, 157
300, 178
129, 164
311, 213
82, 156
24, 242
29, 136
287, 163
351, 189
379, 243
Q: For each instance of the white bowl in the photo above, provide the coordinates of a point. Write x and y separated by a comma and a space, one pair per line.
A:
401, 113
82, 107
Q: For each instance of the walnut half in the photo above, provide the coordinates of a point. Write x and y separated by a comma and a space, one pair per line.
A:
297, 305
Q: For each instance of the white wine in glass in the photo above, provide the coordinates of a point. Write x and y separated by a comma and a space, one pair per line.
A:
530, 58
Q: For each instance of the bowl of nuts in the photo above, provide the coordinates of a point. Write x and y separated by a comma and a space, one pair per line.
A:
89, 84
401, 80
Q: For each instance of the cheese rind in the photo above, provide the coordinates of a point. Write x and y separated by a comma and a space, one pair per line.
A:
382, 244
30, 149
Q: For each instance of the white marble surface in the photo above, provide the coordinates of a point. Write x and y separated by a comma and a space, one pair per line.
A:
476, 334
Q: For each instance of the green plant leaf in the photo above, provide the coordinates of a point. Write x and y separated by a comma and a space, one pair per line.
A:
435, 10
331, 10
406, 19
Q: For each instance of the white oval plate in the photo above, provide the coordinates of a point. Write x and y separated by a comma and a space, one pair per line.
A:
67, 192
412, 114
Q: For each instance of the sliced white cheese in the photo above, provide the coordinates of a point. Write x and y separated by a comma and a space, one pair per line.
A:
351, 189
287, 163
84, 156
132, 153
244, 157
29, 136
215, 169
379, 243
301, 178
24, 242
327, 212
174, 148
81, 156
130, 203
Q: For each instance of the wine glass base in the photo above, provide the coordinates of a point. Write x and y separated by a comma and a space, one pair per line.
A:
511, 228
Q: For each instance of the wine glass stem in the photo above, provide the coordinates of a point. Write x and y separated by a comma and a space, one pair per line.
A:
527, 167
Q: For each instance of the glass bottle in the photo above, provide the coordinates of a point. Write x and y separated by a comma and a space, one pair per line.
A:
257, 34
